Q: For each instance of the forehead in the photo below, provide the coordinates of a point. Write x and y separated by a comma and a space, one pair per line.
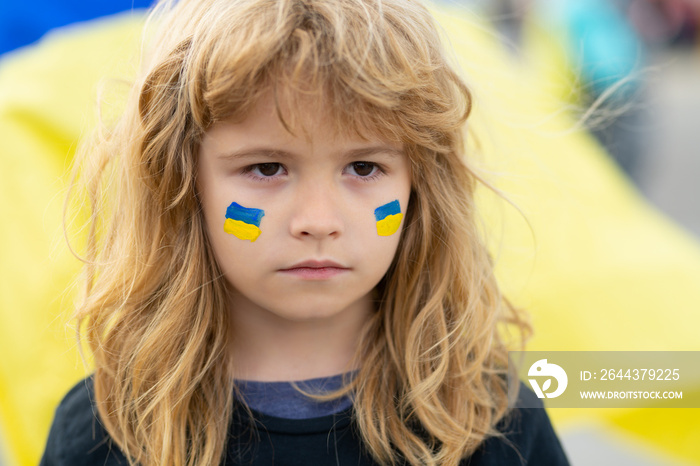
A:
305, 114
298, 113
289, 123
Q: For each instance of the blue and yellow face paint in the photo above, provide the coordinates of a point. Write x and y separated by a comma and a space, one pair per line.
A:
388, 218
243, 222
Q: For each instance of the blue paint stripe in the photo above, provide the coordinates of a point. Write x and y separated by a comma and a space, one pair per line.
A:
392, 208
245, 214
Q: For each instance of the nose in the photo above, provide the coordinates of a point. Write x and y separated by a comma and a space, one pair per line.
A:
317, 212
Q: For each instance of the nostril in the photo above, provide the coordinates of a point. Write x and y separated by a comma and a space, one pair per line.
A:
316, 215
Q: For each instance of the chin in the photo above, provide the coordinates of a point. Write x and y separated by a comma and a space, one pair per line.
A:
308, 314
317, 308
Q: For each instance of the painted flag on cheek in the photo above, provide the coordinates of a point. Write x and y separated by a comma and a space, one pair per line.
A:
243, 222
388, 218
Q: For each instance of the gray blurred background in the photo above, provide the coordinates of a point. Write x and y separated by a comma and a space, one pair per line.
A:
669, 175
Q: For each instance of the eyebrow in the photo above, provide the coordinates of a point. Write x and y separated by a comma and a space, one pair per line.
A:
280, 153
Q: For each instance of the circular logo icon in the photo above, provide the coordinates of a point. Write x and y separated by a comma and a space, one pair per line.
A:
542, 369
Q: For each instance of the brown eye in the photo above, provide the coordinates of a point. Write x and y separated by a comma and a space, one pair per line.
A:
268, 169
363, 168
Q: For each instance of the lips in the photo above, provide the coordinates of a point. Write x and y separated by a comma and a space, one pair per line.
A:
315, 269
317, 264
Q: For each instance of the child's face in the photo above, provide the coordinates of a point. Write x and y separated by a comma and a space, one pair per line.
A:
318, 253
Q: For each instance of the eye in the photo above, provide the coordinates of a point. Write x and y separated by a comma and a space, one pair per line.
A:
362, 169
268, 169
264, 171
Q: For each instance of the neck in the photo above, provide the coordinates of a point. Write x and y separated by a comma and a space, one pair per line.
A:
267, 347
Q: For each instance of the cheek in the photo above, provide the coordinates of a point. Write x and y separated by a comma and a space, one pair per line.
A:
234, 231
388, 218
243, 222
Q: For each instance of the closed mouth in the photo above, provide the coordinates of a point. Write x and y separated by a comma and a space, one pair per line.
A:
316, 264
315, 270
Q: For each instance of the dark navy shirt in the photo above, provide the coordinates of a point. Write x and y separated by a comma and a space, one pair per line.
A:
78, 439
282, 399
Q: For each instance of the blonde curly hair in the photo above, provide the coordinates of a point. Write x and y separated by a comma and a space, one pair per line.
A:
431, 356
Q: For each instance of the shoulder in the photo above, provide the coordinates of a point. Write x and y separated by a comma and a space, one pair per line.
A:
77, 436
528, 437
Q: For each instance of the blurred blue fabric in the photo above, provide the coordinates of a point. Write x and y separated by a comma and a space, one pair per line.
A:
22, 23
600, 41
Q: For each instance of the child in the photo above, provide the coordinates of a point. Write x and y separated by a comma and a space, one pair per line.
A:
290, 271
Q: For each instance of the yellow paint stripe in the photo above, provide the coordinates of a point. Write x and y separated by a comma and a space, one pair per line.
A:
389, 224
241, 230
